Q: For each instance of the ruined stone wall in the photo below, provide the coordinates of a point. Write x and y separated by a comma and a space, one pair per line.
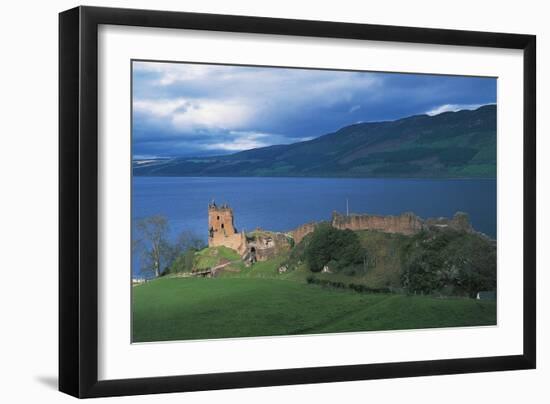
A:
235, 241
264, 244
406, 223
267, 244
459, 222
300, 232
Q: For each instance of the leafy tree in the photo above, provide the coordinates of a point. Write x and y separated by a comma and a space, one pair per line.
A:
475, 261
449, 262
184, 262
340, 249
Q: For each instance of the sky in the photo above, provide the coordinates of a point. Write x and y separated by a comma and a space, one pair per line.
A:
194, 110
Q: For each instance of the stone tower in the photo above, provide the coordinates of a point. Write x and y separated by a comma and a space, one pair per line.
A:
220, 225
221, 230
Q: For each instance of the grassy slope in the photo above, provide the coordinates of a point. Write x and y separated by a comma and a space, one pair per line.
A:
212, 256
258, 301
384, 267
197, 308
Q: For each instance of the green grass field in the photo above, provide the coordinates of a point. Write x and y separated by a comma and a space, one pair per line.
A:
261, 304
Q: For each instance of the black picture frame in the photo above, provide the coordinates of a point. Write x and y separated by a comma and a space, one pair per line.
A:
78, 201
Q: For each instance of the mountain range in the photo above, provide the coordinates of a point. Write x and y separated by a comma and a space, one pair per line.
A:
458, 144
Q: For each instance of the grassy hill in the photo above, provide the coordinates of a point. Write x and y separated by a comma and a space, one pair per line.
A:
451, 144
258, 300
198, 308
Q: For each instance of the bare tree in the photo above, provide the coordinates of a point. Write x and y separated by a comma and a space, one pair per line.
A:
153, 236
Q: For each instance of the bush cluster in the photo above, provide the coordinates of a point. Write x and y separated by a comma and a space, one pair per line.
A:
337, 249
449, 262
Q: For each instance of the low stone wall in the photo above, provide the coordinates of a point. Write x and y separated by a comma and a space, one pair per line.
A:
406, 223
300, 232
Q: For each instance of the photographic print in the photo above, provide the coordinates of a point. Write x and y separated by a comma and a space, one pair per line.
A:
273, 201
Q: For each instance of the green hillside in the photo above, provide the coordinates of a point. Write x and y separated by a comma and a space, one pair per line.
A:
451, 144
429, 275
197, 308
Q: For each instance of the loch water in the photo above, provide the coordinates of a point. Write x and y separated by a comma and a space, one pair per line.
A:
281, 204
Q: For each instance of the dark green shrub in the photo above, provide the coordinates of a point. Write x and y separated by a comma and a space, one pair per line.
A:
183, 262
340, 249
449, 262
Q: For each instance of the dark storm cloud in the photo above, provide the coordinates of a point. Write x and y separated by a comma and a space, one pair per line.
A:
192, 109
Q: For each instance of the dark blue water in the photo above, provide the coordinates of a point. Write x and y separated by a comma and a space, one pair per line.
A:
281, 204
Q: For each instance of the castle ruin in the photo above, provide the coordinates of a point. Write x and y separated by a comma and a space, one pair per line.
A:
406, 223
221, 229
261, 245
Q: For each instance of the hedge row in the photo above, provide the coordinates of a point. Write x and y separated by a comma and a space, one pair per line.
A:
341, 285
